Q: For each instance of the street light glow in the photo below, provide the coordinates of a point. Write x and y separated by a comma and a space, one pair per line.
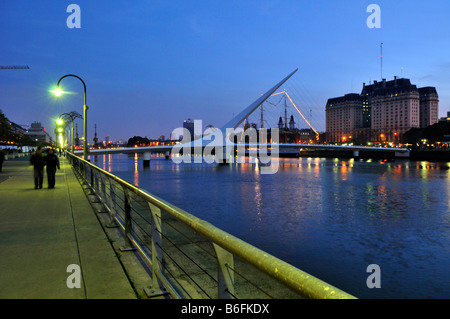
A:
57, 92
59, 121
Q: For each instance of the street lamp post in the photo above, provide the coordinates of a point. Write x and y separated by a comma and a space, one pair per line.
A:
85, 108
69, 118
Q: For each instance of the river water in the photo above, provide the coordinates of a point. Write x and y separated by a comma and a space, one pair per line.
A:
329, 217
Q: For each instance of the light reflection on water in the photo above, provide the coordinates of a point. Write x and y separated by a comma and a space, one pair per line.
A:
329, 217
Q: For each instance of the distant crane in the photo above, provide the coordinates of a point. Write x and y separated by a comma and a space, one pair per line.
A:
14, 67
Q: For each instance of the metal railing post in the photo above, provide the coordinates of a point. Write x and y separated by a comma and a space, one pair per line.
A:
225, 277
112, 206
157, 288
85, 172
91, 171
103, 187
101, 191
95, 188
128, 227
95, 185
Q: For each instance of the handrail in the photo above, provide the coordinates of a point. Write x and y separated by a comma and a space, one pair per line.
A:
290, 276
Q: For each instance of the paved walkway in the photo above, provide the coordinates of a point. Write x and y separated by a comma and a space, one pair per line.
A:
43, 231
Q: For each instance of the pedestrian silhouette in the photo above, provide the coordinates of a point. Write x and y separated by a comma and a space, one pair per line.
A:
38, 162
52, 162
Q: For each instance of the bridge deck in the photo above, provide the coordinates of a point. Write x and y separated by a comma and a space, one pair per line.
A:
43, 231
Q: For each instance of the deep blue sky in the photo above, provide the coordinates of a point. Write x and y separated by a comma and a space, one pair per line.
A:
149, 65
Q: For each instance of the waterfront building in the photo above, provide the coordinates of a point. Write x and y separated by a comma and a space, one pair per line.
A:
11, 133
429, 106
395, 109
343, 117
383, 112
189, 125
446, 118
17, 131
37, 133
289, 134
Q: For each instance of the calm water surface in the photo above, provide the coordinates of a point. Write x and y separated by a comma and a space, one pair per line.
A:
329, 217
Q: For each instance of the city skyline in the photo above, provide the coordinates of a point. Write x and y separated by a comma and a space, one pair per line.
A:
150, 65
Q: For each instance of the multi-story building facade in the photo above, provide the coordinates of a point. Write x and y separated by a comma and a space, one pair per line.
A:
344, 115
394, 109
17, 131
37, 133
382, 112
429, 106
189, 125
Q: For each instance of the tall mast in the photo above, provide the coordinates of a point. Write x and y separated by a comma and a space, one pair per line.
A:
285, 113
381, 59
262, 115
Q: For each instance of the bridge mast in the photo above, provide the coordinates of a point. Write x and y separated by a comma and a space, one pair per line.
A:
285, 111
262, 115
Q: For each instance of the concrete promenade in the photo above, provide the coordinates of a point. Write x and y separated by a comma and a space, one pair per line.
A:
43, 231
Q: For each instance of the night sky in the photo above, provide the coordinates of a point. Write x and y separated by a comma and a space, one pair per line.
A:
149, 65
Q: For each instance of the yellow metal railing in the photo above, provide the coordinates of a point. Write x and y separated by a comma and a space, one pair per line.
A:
191, 258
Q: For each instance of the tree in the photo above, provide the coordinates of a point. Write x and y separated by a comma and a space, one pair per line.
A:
138, 140
436, 132
5, 129
432, 133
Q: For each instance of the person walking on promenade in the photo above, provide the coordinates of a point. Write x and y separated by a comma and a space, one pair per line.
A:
52, 162
38, 161
2, 157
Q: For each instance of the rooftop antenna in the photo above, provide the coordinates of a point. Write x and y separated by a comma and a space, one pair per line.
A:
381, 57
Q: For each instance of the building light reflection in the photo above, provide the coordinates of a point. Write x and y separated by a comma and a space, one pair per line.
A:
136, 171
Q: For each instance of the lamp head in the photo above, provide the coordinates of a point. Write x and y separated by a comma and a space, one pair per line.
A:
57, 91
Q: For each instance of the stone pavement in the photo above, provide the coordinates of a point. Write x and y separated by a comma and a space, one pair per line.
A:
43, 231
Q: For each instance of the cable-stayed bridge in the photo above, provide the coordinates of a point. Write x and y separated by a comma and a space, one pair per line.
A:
223, 137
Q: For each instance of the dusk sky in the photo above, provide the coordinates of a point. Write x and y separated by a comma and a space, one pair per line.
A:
149, 65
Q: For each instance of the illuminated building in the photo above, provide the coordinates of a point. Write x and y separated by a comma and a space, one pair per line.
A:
429, 106
381, 113
189, 125
37, 133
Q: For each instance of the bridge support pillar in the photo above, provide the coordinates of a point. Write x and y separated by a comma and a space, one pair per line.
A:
147, 159
356, 154
404, 154
167, 155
